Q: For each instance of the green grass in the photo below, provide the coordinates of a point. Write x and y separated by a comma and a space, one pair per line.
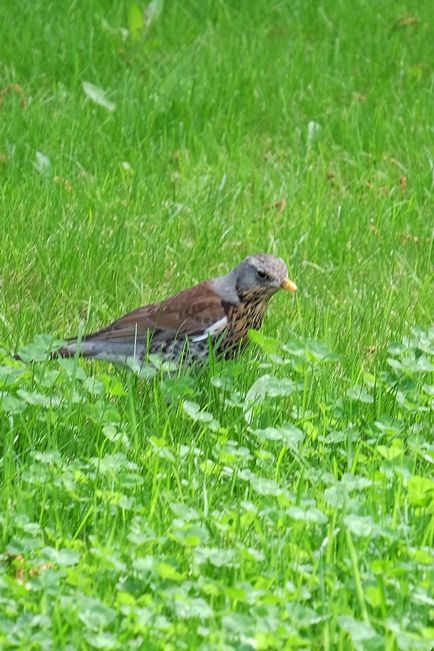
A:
219, 510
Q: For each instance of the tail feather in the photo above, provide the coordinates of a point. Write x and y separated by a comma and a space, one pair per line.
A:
70, 350
117, 352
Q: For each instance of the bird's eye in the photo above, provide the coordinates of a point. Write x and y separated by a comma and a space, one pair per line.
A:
262, 275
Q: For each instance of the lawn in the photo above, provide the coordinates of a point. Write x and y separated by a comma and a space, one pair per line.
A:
284, 500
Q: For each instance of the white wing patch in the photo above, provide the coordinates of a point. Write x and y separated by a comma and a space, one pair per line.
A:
213, 329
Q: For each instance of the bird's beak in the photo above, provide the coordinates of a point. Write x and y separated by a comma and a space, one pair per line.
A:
289, 285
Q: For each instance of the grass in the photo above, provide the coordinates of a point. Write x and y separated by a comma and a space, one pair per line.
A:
281, 501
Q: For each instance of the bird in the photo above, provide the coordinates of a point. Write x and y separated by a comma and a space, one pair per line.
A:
214, 315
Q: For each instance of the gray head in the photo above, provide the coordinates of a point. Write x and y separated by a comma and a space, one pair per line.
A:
262, 274
258, 276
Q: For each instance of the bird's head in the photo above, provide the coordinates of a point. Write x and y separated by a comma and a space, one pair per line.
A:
262, 275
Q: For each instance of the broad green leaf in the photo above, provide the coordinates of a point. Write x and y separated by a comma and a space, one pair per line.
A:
421, 491
184, 511
144, 371
313, 351
359, 394
390, 452
215, 556
287, 434
9, 375
42, 164
269, 386
10, 404
94, 613
140, 532
238, 623
295, 347
193, 410
136, 20
71, 368
307, 515
153, 11
98, 96
336, 496
102, 640
64, 557
38, 399
40, 348
355, 482
190, 534
316, 351
358, 631
265, 486
192, 607
93, 386
304, 616
359, 525
425, 556
167, 571
177, 388
269, 345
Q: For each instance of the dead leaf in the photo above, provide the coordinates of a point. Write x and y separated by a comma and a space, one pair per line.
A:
279, 205
65, 182
175, 156
359, 97
407, 20
394, 161
408, 237
13, 88
330, 175
35, 571
403, 183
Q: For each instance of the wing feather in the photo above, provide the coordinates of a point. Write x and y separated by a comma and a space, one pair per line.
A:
188, 313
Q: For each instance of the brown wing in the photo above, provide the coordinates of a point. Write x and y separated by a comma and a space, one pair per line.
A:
188, 313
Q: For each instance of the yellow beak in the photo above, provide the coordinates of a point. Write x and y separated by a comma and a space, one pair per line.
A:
289, 285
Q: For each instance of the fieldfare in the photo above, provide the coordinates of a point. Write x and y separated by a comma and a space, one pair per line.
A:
215, 314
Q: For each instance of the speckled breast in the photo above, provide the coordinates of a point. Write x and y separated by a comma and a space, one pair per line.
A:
246, 316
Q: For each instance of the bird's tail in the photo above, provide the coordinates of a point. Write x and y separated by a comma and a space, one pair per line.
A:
118, 352
69, 350
79, 347
95, 346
